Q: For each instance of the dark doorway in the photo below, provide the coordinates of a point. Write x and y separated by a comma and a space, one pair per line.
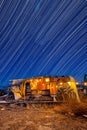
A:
27, 86
27, 89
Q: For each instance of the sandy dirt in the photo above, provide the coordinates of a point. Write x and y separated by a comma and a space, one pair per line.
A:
59, 117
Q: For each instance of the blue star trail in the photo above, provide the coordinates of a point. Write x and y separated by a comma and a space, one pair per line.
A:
43, 37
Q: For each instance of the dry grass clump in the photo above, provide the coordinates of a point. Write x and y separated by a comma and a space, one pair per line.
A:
72, 104
78, 108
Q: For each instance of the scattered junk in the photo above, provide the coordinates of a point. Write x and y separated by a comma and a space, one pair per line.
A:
85, 84
82, 86
6, 97
3, 94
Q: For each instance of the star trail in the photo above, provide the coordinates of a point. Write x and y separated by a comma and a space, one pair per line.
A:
43, 37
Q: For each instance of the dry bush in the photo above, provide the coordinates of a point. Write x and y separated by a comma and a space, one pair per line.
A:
71, 104
78, 108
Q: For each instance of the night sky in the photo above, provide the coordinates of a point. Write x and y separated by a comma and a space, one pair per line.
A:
43, 37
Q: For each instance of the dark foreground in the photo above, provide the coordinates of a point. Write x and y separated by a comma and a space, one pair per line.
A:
59, 117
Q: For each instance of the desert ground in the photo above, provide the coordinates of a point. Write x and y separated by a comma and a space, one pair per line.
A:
35, 117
